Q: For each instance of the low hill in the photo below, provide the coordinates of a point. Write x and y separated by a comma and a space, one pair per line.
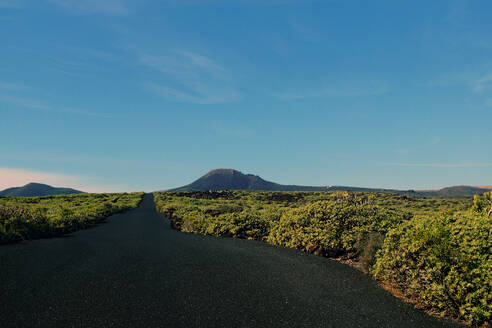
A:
456, 191
36, 189
230, 179
484, 187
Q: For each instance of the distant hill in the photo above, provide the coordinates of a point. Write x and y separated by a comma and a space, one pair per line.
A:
36, 189
456, 191
230, 179
484, 187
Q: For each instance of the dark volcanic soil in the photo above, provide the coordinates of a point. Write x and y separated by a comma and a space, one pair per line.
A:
135, 271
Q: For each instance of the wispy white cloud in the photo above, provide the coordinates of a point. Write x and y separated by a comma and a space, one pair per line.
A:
13, 177
190, 77
23, 102
80, 62
202, 62
437, 165
449, 79
331, 92
75, 61
83, 7
9, 94
245, 2
78, 74
83, 112
197, 93
7, 86
183, 64
35, 105
435, 141
476, 86
484, 83
477, 82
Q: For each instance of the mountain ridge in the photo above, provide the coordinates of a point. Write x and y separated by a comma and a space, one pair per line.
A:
230, 179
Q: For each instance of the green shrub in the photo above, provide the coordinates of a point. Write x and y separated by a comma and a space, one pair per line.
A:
444, 262
337, 227
482, 204
242, 225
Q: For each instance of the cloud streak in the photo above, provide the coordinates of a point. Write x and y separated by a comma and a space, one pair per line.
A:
6, 86
484, 83
370, 89
198, 93
85, 7
435, 141
23, 102
189, 77
439, 165
244, 2
476, 82
35, 105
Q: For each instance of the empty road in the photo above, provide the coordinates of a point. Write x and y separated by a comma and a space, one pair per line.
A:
136, 271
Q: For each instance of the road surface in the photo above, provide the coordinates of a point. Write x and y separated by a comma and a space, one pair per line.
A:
136, 271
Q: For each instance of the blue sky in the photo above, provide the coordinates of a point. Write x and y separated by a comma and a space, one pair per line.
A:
144, 95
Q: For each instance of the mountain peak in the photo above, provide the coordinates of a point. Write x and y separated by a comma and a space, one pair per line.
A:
223, 171
36, 184
227, 179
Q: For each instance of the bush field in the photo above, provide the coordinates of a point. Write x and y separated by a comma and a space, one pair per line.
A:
23, 218
436, 251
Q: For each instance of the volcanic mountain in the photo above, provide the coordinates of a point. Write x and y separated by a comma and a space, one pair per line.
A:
36, 189
229, 179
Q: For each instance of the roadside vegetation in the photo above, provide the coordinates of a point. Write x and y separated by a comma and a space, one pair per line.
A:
23, 218
435, 251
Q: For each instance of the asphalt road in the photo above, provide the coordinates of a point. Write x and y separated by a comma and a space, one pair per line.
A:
135, 271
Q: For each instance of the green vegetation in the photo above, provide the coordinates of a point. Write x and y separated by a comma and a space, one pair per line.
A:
483, 204
437, 251
444, 262
23, 218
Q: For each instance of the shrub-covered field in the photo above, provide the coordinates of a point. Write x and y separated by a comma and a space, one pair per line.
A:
436, 251
24, 218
